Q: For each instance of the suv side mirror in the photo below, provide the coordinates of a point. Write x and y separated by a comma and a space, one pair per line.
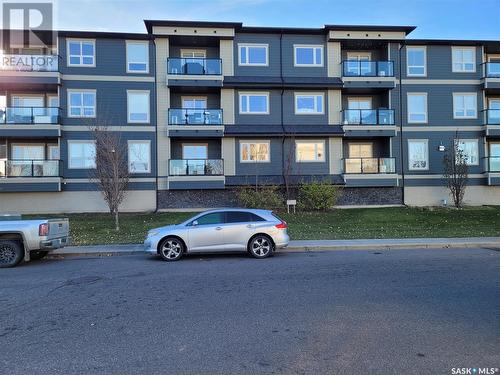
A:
194, 223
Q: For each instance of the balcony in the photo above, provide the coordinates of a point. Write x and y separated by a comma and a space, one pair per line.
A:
29, 63
29, 168
194, 66
187, 116
360, 68
492, 69
196, 167
368, 117
369, 165
29, 115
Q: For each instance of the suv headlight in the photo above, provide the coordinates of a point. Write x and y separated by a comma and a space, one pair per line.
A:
152, 233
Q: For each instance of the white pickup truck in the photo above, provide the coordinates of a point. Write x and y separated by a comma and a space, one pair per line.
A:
30, 239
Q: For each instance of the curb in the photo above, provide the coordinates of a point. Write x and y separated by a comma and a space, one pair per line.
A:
299, 247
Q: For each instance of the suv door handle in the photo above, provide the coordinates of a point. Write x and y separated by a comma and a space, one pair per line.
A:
249, 225
218, 228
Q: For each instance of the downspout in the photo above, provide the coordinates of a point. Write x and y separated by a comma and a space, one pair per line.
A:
401, 143
156, 122
281, 114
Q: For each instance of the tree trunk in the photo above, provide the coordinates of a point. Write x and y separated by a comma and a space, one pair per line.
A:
117, 224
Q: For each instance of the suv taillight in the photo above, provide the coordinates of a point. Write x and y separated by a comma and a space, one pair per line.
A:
282, 225
43, 229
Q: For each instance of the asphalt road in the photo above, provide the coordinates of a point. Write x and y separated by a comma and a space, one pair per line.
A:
358, 312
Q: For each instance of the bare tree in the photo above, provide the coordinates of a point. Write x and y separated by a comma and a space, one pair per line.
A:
288, 166
456, 171
111, 173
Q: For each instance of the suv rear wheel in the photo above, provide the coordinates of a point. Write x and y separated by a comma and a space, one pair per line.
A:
261, 246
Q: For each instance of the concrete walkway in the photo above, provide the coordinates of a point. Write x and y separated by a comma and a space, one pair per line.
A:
323, 245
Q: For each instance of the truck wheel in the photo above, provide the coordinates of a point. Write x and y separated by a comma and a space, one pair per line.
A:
38, 254
11, 253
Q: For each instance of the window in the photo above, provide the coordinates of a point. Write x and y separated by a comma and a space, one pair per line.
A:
464, 105
309, 104
241, 217
28, 152
211, 219
418, 154
417, 107
309, 151
139, 156
253, 54
194, 151
463, 59
469, 147
81, 154
82, 103
254, 103
416, 64
255, 152
308, 55
138, 106
137, 57
81, 53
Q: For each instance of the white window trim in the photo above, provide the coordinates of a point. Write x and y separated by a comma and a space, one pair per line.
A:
246, 45
68, 104
254, 93
146, 141
314, 46
73, 141
323, 158
255, 141
464, 117
424, 74
129, 42
314, 95
68, 63
426, 141
476, 141
408, 108
149, 106
473, 60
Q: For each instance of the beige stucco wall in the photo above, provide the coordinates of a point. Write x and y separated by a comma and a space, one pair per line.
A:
227, 105
334, 59
229, 155
434, 195
163, 103
335, 148
334, 106
226, 55
73, 201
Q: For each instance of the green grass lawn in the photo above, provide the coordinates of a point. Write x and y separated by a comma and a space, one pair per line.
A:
397, 222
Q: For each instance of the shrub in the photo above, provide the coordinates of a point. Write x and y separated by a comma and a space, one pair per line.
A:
318, 196
268, 197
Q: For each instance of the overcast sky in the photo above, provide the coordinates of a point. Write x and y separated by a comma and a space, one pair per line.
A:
457, 19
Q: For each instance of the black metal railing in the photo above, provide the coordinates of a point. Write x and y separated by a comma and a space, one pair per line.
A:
493, 164
29, 168
492, 116
369, 165
362, 68
368, 117
196, 167
194, 66
29, 62
29, 115
188, 116
492, 69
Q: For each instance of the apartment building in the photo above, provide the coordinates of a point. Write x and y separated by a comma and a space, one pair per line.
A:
207, 107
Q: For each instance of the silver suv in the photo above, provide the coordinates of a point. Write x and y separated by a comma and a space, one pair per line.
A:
259, 232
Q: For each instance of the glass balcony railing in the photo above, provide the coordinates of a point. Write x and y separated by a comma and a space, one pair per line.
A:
369, 165
492, 116
360, 68
29, 63
29, 168
368, 117
493, 70
187, 116
196, 167
494, 164
29, 115
194, 66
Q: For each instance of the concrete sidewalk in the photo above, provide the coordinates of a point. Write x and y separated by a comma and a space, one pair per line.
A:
323, 245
